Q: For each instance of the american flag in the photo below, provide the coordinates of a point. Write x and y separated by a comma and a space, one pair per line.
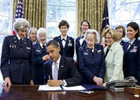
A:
19, 11
105, 20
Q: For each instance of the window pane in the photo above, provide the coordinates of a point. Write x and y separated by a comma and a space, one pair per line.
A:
52, 29
5, 17
124, 11
58, 10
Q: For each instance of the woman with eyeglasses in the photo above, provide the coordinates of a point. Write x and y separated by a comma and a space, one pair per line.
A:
91, 59
113, 56
132, 52
121, 33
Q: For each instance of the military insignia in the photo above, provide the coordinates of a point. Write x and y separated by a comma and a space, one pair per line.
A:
69, 44
10, 46
134, 50
135, 47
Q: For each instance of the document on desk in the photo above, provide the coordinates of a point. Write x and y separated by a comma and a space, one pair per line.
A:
72, 88
48, 88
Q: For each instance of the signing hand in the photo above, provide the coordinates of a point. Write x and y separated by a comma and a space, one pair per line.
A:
54, 83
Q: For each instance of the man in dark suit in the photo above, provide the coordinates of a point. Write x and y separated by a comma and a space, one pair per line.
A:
60, 70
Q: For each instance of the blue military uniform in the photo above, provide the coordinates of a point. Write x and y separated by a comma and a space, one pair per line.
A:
78, 44
17, 60
131, 63
122, 43
68, 50
39, 52
91, 64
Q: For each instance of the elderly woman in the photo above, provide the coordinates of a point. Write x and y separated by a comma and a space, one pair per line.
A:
33, 34
91, 59
17, 63
132, 52
40, 55
121, 33
113, 56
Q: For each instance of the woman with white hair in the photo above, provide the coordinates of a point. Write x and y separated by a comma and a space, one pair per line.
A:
91, 59
33, 35
40, 55
17, 63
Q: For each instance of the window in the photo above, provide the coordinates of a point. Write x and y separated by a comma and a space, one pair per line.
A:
6, 10
124, 11
58, 10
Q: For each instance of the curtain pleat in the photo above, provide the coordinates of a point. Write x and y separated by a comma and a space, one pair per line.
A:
91, 10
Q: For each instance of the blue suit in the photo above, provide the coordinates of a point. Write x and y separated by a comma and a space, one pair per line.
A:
39, 52
17, 60
67, 71
131, 64
68, 51
91, 65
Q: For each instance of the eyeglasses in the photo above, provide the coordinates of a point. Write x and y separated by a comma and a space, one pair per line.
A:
108, 38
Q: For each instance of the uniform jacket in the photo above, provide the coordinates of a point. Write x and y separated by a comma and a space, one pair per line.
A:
67, 71
39, 52
17, 59
132, 60
91, 65
122, 43
68, 51
114, 63
78, 45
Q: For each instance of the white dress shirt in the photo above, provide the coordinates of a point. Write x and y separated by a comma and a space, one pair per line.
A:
63, 41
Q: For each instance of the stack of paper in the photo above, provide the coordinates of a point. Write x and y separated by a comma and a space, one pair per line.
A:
48, 88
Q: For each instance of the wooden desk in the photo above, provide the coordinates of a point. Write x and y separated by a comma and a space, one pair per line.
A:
32, 93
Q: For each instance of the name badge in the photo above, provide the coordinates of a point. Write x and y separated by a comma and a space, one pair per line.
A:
28, 48
99, 51
85, 53
38, 51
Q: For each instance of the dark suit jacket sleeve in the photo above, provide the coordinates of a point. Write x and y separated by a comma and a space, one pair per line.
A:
37, 58
5, 58
72, 52
31, 61
82, 67
102, 69
75, 78
138, 70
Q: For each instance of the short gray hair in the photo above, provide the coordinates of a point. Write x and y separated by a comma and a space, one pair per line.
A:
41, 31
20, 24
32, 28
93, 31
